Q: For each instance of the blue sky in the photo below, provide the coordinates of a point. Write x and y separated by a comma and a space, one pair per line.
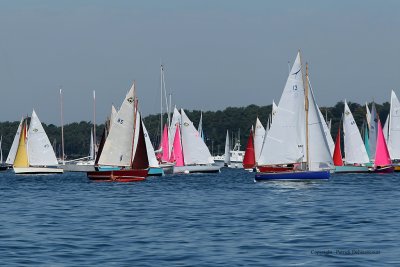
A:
217, 53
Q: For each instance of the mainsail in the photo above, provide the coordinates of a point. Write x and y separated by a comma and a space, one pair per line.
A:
195, 150
286, 137
117, 150
394, 127
354, 148
40, 151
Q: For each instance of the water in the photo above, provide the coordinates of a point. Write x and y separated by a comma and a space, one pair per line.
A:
199, 220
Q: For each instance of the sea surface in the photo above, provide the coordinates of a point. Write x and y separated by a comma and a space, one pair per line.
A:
221, 219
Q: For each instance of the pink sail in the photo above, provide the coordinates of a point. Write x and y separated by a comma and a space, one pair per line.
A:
165, 145
382, 156
177, 155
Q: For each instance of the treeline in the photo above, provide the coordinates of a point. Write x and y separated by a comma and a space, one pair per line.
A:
238, 120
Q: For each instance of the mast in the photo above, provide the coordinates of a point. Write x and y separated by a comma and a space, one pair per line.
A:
306, 109
62, 128
161, 100
94, 123
1, 150
170, 109
135, 104
390, 116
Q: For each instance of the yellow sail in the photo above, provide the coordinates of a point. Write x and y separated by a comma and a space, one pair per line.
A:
21, 159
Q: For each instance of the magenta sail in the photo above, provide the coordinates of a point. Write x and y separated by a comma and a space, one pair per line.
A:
165, 145
176, 154
382, 157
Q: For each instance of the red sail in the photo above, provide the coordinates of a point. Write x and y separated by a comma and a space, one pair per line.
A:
249, 160
140, 160
337, 153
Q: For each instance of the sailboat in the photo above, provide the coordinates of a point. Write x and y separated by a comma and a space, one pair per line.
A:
296, 136
83, 164
34, 155
196, 156
382, 162
391, 131
232, 158
125, 146
356, 157
163, 153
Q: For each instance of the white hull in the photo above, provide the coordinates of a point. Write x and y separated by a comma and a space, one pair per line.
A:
234, 164
37, 170
77, 168
197, 168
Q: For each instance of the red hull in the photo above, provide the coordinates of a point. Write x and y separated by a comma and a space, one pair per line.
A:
268, 169
118, 176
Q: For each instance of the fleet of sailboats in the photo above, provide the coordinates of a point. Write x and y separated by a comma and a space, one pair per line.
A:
296, 143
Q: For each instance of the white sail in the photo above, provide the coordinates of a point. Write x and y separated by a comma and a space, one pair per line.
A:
354, 148
368, 115
40, 151
176, 118
320, 156
14, 146
151, 155
327, 132
117, 150
195, 150
227, 158
394, 127
259, 134
386, 127
373, 131
91, 146
285, 141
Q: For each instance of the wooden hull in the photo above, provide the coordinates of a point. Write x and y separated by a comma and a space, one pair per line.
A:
273, 169
396, 168
197, 169
118, 176
297, 175
38, 170
385, 169
351, 169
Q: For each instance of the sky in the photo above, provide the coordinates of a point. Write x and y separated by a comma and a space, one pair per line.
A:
217, 53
